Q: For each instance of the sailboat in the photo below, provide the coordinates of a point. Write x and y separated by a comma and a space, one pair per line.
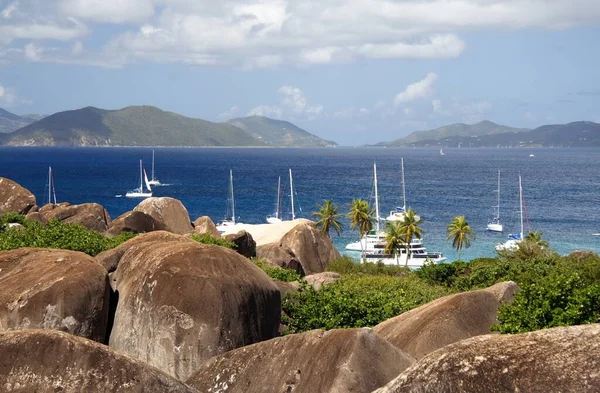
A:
292, 195
398, 213
495, 225
229, 221
276, 217
51, 188
442, 152
514, 239
139, 192
153, 181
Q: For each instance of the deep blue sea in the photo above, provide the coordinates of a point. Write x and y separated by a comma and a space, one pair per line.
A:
561, 186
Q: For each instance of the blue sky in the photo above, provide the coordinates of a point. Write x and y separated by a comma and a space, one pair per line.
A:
353, 71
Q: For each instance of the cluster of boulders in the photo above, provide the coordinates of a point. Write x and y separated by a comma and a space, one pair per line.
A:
163, 313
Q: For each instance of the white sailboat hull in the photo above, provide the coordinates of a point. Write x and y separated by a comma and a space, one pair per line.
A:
273, 220
134, 194
414, 262
494, 227
154, 182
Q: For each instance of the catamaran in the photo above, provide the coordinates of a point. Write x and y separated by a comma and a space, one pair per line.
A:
514, 239
495, 225
276, 217
139, 192
398, 213
230, 220
153, 181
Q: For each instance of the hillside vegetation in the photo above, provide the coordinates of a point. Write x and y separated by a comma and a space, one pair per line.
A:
150, 126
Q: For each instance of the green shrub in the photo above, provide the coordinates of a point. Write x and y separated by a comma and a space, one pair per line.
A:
57, 234
11, 217
207, 238
357, 300
276, 273
347, 265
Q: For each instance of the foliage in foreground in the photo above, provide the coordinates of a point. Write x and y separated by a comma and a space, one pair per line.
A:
357, 300
347, 265
207, 238
276, 273
56, 234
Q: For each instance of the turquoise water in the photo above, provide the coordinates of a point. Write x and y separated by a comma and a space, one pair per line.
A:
561, 186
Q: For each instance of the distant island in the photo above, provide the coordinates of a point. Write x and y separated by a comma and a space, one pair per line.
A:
150, 126
489, 134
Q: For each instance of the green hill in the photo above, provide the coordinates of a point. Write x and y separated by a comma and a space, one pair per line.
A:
278, 133
150, 126
453, 130
10, 122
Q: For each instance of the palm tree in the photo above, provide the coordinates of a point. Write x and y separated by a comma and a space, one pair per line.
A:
361, 217
394, 238
536, 238
461, 233
328, 217
409, 228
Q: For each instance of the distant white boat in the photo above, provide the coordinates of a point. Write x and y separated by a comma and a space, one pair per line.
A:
276, 217
514, 239
229, 221
531, 155
495, 225
442, 152
153, 181
139, 192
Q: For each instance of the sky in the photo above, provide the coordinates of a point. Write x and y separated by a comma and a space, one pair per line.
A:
352, 71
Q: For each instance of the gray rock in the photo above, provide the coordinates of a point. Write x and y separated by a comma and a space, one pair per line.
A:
204, 225
14, 198
168, 212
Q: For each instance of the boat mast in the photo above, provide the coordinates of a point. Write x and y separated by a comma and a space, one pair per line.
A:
50, 185
141, 178
403, 188
521, 204
152, 164
376, 196
292, 195
232, 200
498, 205
278, 204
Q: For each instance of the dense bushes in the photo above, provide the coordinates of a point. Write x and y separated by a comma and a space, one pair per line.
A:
357, 300
275, 272
55, 234
207, 238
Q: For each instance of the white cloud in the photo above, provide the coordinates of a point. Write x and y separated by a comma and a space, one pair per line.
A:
437, 46
7, 96
470, 112
417, 90
33, 52
229, 113
293, 105
111, 11
10, 9
77, 48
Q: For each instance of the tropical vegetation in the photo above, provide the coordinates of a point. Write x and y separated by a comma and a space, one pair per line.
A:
461, 234
410, 228
361, 218
328, 217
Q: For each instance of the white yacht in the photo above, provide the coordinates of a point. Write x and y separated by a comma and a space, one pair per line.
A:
398, 213
418, 255
229, 221
153, 181
514, 239
495, 225
139, 192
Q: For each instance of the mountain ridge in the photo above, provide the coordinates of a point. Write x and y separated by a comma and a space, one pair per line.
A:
136, 126
10, 122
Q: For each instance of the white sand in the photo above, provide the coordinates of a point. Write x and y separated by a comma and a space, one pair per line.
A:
267, 233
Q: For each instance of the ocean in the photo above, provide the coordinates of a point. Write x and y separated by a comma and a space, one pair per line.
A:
561, 187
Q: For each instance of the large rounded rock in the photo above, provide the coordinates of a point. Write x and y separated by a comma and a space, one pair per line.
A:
91, 215
443, 321
46, 361
168, 212
110, 258
343, 360
134, 222
53, 289
313, 249
320, 280
181, 302
14, 198
280, 257
204, 225
564, 359
244, 244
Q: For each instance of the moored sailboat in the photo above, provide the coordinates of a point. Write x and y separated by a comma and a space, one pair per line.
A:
276, 217
153, 181
515, 238
229, 221
139, 192
495, 225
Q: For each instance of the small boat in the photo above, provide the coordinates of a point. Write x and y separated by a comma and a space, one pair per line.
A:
229, 221
442, 152
514, 239
495, 225
51, 187
139, 192
153, 181
276, 217
531, 156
